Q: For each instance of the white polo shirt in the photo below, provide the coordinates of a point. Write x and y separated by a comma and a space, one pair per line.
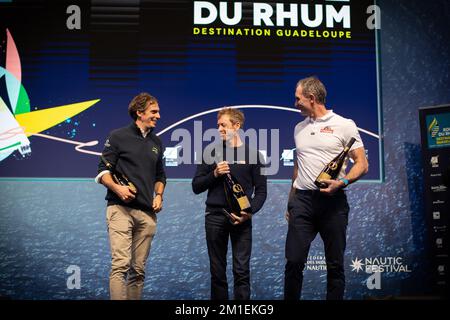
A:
317, 142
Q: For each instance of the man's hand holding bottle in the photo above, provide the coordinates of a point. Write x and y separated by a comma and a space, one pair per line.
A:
235, 220
124, 193
244, 217
221, 169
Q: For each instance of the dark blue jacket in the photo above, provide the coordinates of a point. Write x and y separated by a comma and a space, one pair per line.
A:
139, 159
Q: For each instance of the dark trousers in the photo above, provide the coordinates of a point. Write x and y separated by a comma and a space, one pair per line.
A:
311, 212
218, 231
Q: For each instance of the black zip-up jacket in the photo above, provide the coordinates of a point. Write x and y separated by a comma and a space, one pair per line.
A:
139, 159
247, 172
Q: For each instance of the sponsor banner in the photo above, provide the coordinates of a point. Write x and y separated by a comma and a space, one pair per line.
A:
438, 132
435, 139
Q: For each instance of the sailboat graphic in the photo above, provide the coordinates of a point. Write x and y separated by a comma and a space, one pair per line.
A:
17, 122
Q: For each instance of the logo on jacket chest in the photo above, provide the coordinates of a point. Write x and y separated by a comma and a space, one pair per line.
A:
155, 150
326, 129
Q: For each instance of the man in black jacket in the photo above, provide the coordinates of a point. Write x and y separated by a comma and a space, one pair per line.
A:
136, 153
244, 164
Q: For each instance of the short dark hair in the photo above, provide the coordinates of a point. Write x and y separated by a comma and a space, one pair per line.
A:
312, 85
140, 103
235, 115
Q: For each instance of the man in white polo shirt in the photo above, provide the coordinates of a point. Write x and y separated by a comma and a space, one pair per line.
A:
320, 137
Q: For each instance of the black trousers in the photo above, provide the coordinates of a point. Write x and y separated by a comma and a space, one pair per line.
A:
311, 212
218, 231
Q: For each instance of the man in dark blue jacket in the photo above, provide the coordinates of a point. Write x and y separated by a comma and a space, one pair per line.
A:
134, 152
244, 164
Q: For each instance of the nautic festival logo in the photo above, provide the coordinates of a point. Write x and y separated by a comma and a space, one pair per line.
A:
379, 264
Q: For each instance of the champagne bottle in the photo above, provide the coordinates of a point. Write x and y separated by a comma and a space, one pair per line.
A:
236, 196
332, 169
118, 177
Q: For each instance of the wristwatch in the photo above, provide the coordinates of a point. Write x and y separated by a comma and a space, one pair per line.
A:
345, 181
159, 194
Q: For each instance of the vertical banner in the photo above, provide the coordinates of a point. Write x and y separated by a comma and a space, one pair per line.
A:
435, 138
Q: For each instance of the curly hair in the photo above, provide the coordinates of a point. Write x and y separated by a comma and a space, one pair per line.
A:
140, 103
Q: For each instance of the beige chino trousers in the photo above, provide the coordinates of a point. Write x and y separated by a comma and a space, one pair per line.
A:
131, 232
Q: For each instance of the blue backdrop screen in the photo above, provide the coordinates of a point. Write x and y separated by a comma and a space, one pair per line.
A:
193, 69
